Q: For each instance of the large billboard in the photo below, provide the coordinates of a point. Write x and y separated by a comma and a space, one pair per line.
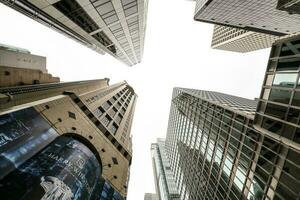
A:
64, 170
22, 134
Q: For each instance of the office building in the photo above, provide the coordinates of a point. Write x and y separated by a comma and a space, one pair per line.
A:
67, 140
17, 57
278, 117
216, 152
114, 27
163, 176
240, 40
19, 67
251, 15
149, 196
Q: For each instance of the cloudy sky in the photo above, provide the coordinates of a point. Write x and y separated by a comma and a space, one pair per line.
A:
177, 54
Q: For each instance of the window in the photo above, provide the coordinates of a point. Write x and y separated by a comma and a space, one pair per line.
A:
276, 110
281, 96
285, 80
296, 99
77, 14
105, 120
115, 161
72, 115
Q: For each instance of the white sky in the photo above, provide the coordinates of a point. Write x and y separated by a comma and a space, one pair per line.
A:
177, 53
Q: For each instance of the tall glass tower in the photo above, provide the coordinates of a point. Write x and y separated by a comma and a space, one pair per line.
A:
215, 152
163, 176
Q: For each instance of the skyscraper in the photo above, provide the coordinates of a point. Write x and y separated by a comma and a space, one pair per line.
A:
251, 15
215, 151
106, 26
163, 176
66, 140
244, 26
278, 117
239, 40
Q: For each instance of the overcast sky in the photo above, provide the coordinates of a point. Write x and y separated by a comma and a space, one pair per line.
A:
177, 54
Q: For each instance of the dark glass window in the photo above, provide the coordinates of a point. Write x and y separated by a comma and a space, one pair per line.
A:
293, 115
276, 110
296, 99
281, 96
272, 125
288, 64
76, 13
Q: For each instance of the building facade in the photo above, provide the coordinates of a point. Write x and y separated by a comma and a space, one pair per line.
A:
116, 27
66, 140
257, 16
278, 117
163, 176
215, 151
150, 196
16, 57
240, 40
19, 67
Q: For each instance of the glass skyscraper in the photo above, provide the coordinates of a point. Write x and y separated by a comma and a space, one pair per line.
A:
277, 117
215, 150
163, 176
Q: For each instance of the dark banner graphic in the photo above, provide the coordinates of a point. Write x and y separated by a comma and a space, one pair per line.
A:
38, 164
66, 169
22, 134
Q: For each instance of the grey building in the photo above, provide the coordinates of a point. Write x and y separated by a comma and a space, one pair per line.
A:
116, 27
163, 176
215, 151
244, 26
150, 196
240, 40
251, 15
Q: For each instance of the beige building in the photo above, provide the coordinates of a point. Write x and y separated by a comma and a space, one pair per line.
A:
64, 130
19, 67
16, 57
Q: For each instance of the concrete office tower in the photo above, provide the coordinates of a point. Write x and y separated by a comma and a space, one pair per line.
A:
19, 67
239, 40
251, 15
149, 196
163, 176
215, 152
116, 27
278, 115
66, 140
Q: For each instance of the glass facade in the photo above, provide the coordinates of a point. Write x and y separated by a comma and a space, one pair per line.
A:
164, 180
279, 106
216, 153
278, 117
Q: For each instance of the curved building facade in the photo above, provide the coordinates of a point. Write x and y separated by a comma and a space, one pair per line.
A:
66, 140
